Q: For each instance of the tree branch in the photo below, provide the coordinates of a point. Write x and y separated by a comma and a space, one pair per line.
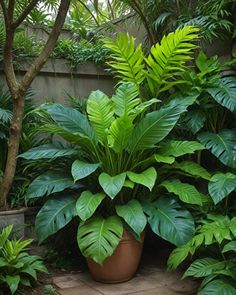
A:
10, 10
50, 44
4, 10
24, 14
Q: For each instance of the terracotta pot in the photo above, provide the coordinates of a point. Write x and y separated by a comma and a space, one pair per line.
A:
123, 263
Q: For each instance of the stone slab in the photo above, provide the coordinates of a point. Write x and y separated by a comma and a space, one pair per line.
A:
84, 290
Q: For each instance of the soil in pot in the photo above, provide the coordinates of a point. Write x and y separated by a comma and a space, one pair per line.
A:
122, 265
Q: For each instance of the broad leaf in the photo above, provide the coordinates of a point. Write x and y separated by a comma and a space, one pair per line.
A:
154, 127
169, 220
48, 151
119, 133
194, 120
146, 178
192, 168
71, 120
218, 287
100, 111
186, 192
177, 148
225, 92
12, 282
112, 185
48, 183
80, 170
98, 238
231, 246
132, 213
221, 145
54, 215
126, 100
221, 185
87, 204
204, 267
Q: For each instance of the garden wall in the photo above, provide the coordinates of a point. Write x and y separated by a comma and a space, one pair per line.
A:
57, 78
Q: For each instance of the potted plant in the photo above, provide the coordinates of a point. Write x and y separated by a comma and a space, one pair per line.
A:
105, 171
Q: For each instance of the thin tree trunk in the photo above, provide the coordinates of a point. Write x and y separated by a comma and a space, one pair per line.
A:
18, 90
13, 147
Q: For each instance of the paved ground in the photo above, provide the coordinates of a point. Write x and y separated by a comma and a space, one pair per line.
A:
151, 279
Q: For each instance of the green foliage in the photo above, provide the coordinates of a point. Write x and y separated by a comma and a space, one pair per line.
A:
165, 63
120, 144
127, 60
221, 145
218, 271
169, 220
78, 52
221, 185
17, 267
54, 215
98, 237
132, 213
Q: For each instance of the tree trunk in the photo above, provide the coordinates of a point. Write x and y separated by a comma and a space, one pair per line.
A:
13, 148
18, 89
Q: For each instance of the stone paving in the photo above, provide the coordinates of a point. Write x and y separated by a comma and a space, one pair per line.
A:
151, 279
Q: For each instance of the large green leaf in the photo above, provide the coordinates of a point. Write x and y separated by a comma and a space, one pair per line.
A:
146, 178
169, 220
12, 282
80, 170
119, 133
98, 237
54, 215
49, 183
221, 145
221, 185
132, 213
112, 185
100, 111
70, 119
177, 148
231, 246
192, 168
47, 151
127, 60
87, 204
154, 127
126, 99
225, 92
168, 59
204, 267
218, 287
194, 120
186, 192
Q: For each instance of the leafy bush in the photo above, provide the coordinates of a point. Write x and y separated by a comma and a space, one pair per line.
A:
78, 52
215, 241
17, 268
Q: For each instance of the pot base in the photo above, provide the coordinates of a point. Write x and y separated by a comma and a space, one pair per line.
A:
122, 265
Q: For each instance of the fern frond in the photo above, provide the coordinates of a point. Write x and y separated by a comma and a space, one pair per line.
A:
167, 60
126, 58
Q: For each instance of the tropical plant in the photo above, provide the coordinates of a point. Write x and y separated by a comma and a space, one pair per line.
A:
164, 66
215, 20
113, 155
17, 268
212, 83
216, 268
